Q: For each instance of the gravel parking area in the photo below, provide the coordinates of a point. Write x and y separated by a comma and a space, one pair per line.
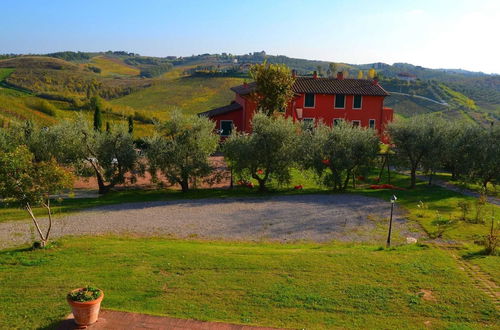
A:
317, 218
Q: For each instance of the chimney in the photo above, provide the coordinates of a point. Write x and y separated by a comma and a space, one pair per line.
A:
375, 81
315, 74
340, 75
294, 73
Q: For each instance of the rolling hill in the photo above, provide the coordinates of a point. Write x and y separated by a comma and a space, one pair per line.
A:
47, 88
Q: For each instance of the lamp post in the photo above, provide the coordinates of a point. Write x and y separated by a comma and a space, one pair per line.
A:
393, 201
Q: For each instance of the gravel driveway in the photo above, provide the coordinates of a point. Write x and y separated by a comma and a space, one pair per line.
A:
283, 218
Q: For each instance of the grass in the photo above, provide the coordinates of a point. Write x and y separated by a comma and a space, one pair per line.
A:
113, 66
436, 202
5, 72
191, 94
282, 285
16, 106
492, 190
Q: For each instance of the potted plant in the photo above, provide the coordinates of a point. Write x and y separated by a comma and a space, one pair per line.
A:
85, 303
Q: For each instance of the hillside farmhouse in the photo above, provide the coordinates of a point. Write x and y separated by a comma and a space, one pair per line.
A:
359, 101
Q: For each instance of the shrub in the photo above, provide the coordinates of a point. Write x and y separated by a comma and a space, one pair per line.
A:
269, 153
181, 149
45, 107
336, 153
464, 207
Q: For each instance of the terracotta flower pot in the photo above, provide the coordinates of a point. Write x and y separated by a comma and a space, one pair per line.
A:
87, 312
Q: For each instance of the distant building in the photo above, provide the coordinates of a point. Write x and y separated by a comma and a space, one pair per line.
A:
359, 101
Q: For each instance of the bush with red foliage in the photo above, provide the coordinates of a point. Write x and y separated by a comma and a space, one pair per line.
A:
385, 186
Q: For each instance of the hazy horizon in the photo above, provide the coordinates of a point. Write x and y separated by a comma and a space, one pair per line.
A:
433, 34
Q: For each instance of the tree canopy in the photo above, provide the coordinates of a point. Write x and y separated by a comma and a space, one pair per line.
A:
268, 154
274, 87
336, 153
181, 147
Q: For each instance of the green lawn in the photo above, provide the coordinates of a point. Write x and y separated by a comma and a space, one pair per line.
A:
436, 202
283, 285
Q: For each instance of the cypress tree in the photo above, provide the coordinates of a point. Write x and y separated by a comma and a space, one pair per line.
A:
130, 125
96, 104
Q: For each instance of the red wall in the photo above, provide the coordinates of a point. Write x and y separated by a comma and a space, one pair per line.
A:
235, 116
372, 107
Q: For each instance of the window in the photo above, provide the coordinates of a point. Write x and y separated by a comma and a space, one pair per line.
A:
336, 121
372, 123
356, 123
339, 101
309, 100
308, 123
226, 127
356, 101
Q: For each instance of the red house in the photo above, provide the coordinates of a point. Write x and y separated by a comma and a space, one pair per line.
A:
359, 101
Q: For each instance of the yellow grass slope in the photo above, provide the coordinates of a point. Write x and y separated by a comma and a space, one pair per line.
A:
113, 66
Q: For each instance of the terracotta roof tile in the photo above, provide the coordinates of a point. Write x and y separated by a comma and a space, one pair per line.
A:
326, 86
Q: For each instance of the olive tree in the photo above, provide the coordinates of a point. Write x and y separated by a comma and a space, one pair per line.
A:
416, 140
269, 153
336, 153
273, 87
110, 156
462, 139
31, 183
485, 157
180, 149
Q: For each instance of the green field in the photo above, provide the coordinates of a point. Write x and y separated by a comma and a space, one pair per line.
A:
128, 94
4, 73
191, 94
173, 90
113, 66
296, 286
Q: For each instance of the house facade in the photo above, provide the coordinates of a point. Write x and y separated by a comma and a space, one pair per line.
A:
359, 101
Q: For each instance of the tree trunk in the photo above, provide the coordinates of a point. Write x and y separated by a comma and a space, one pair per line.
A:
430, 177
453, 174
262, 185
184, 185
103, 189
413, 177
346, 182
382, 168
43, 238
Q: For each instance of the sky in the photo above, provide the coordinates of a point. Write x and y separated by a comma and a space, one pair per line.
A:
432, 33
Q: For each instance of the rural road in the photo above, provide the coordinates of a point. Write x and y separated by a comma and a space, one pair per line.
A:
317, 218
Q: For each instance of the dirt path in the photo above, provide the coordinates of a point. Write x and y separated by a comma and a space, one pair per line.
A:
318, 218
452, 187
